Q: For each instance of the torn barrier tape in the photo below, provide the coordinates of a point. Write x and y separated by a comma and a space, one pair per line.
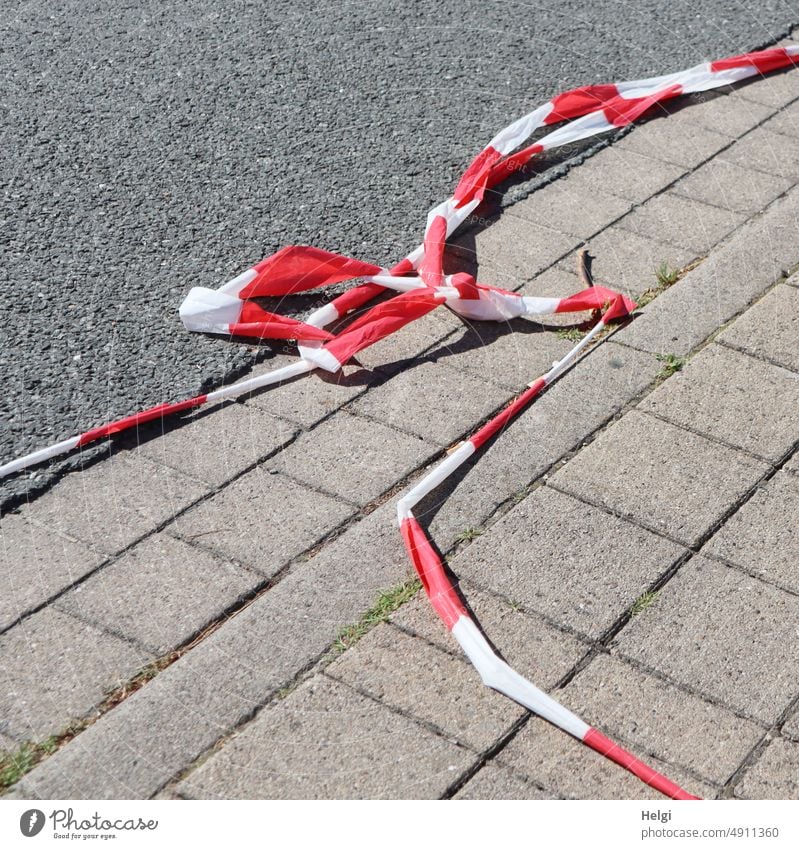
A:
414, 301
589, 110
495, 672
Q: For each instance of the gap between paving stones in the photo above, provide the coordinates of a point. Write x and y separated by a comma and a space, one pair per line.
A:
341, 528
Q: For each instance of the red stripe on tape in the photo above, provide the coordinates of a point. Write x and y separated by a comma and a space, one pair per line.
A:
431, 268
623, 110
605, 746
763, 60
580, 101
298, 267
472, 183
499, 421
430, 569
140, 418
511, 164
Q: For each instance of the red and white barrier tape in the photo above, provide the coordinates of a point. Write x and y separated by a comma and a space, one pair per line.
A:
422, 286
494, 671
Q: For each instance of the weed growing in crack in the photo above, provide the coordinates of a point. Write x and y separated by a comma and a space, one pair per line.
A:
642, 603
387, 602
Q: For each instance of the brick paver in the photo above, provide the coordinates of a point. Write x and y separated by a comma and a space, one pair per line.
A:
770, 329
159, 593
219, 443
660, 475
334, 744
774, 776
55, 669
36, 564
543, 557
761, 537
722, 183
450, 696
570, 770
689, 224
738, 399
726, 635
112, 504
499, 782
353, 457
722, 286
535, 648
231, 523
641, 710
433, 401
679, 143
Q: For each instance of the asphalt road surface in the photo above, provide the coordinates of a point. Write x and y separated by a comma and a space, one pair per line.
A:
150, 146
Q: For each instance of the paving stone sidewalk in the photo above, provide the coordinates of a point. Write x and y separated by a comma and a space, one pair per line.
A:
225, 610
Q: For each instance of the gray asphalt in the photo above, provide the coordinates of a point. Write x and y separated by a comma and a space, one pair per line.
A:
150, 146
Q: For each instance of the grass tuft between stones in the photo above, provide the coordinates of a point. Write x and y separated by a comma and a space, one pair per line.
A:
387, 602
671, 365
642, 603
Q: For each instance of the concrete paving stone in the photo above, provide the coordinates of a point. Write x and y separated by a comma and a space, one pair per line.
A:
7, 744
437, 403
693, 226
570, 770
215, 446
415, 677
726, 635
568, 210
510, 354
726, 114
160, 593
685, 144
543, 556
628, 262
135, 749
312, 397
761, 537
770, 328
55, 668
793, 463
353, 457
732, 397
724, 284
115, 502
262, 520
516, 247
776, 89
791, 727
35, 564
14, 794
721, 183
662, 476
498, 782
775, 775
765, 151
786, 121
530, 645
555, 423
660, 719
623, 173
326, 741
